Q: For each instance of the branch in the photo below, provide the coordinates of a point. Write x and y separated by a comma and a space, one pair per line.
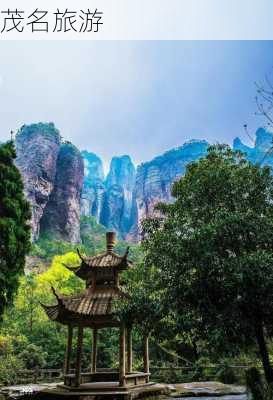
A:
261, 89
172, 354
73, 269
269, 83
79, 254
268, 153
248, 134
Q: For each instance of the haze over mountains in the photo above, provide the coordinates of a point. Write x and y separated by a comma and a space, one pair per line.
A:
63, 184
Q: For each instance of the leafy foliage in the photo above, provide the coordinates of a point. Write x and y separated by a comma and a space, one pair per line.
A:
14, 225
33, 357
143, 307
92, 242
213, 247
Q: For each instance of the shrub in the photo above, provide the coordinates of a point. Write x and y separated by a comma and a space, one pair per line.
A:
33, 357
254, 383
226, 374
10, 367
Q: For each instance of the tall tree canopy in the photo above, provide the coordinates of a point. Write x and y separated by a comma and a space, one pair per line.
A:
214, 249
14, 225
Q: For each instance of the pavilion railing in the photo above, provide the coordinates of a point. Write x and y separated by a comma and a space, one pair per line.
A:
216, 372
168, 374
39, 375
45, 375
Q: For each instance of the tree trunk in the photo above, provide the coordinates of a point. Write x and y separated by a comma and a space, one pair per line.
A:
195, 350
268, 371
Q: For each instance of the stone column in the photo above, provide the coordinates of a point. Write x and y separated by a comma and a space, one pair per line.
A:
79, 357
94, 351
129, 350
122, 356
146, 356
68, 350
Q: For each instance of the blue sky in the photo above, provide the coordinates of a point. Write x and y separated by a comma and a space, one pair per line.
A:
138, 98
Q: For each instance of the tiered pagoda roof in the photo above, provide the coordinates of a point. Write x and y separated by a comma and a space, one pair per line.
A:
103, 261
95, 306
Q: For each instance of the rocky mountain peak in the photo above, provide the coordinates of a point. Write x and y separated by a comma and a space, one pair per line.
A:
93, 185
37, 147
258, 154
264, 139
93, 167
122, 172
118, 210
61, 218
52, 172
61, 183
239, 145
154, 179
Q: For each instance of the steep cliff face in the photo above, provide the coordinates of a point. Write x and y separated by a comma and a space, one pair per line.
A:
60, 182
259, 153
61, 218
126, 197
109, 200
93, 185
118, 211
155, 178
37, 147
53, 176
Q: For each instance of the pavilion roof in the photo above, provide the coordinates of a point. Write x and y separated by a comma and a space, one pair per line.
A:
91, 306
107, 259
95, 304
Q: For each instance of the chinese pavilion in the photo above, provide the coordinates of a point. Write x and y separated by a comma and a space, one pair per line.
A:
94, 309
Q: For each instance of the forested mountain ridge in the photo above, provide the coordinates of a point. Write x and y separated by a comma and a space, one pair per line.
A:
63, 184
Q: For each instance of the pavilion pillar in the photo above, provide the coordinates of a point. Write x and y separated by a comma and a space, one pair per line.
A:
79, 357
122, 362
146, 356
129, 350
68, 350
94, 351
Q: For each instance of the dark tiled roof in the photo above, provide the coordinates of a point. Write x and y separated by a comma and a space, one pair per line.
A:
95, 305
104, 260
52, 311
91, 303
107, 259
96, 302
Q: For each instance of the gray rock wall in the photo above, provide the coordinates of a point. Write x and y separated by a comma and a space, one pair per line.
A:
53, 176
61, 183
93, 185
37, 147
154, 179
61, 218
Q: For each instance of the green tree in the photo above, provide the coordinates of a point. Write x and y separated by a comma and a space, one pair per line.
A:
143, 307
33, 357
214, 249
14, 225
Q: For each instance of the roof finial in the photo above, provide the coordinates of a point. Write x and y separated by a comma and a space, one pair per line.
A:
12, 135
110, 241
